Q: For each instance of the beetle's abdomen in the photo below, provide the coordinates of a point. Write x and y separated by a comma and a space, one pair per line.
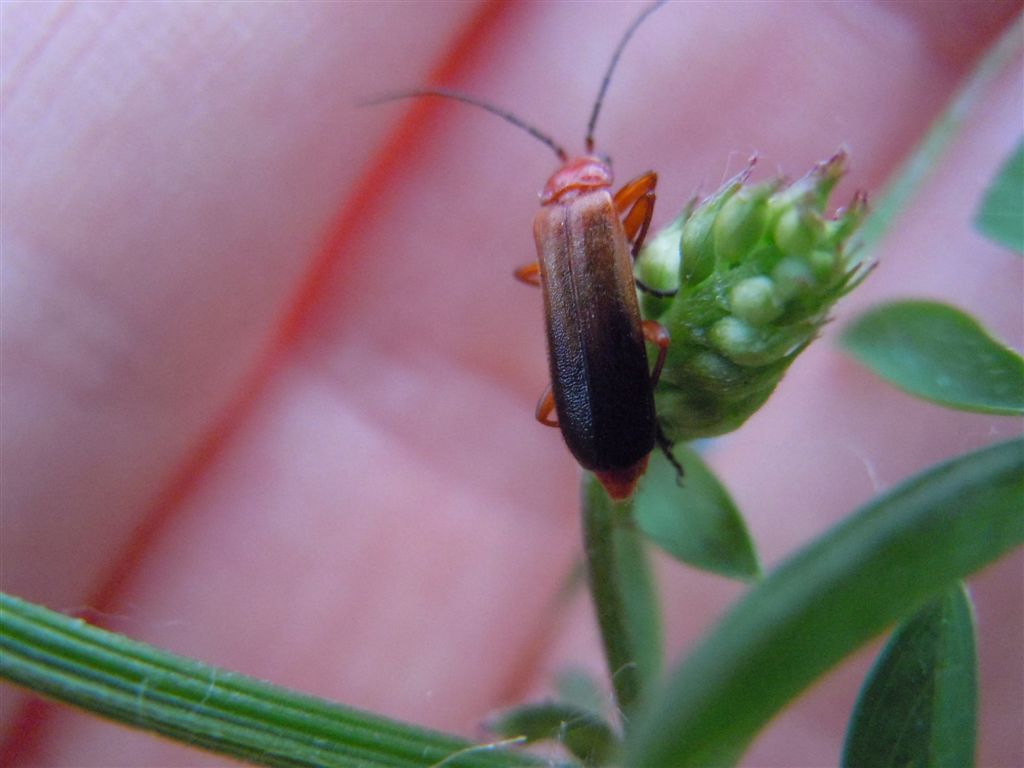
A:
599, 370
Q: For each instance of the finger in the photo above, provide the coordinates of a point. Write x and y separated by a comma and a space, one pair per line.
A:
159, 222
426, 333
170, 177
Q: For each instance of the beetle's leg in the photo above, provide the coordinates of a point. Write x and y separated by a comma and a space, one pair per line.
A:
545, 406
657, 334
638, 221
626, 197
636, 201
640, 215
529, 274
666, 448
654, 291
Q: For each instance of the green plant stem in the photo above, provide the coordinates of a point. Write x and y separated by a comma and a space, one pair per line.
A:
599, 549
623, 594
203, 706
924, 159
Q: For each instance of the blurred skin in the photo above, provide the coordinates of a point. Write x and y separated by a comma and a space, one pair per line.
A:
314, 395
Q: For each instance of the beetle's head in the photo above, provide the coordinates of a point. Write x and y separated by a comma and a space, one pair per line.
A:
578, 175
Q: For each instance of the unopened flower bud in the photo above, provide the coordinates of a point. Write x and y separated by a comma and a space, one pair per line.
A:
737, 340
696, 247
848, 219
755, 301
760, 270
792, 277
740, 224
798, 230
657, 267
823, 265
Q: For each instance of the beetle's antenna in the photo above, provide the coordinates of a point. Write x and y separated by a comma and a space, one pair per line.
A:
503, 114
611, 68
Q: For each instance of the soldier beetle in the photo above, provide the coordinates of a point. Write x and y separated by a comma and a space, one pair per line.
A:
602, 389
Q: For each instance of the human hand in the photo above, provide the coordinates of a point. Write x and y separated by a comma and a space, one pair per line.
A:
268, 385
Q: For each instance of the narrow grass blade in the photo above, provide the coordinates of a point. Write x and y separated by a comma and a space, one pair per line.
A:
924, 159
141, 686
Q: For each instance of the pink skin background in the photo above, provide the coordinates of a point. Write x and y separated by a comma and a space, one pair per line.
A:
264, 411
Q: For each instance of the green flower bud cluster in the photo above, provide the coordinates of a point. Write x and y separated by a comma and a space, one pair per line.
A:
757, 268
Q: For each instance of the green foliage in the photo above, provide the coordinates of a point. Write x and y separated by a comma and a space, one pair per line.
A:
578, 687
757, 268
885, 561
696, 522
1001, 215
221, 711
938, 353
919, 705
584, 733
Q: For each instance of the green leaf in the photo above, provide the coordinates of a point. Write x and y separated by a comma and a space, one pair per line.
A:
1001, 215
202, 706
576, 686
696, 523
624, 595
938, 353
583, 733
899, 551
919, 705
